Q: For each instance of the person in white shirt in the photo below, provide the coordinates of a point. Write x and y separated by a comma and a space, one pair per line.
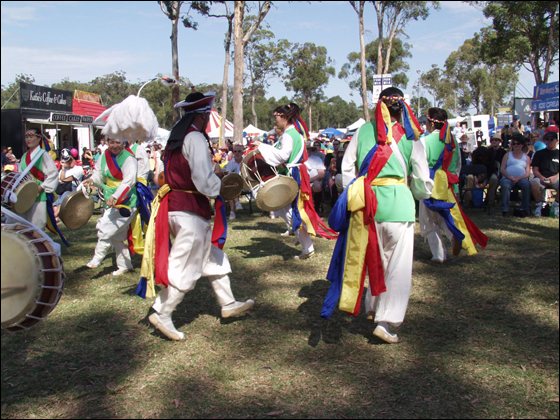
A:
103, 146
316, 169
70, 172
234, 166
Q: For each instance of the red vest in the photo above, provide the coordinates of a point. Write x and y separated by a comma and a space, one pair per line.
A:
178, 177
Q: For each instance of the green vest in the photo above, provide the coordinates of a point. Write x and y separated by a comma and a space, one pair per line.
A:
395, 203
297, 145
107, 191
134, 147
434, 147
39, 165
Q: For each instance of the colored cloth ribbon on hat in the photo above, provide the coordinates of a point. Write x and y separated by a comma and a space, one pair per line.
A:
357, 251
383, 122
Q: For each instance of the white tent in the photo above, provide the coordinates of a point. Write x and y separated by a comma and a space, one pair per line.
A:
253, 131
356, 125
162, 136
213, 129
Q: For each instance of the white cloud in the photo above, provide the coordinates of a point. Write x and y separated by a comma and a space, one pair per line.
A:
18, 16
51, 64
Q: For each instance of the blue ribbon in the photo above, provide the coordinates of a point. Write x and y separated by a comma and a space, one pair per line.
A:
145, 198
52, 218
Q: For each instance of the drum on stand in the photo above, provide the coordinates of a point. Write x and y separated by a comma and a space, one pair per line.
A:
18, 198
32, 277
272, 191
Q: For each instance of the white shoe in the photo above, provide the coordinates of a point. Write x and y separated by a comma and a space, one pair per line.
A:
304, 256
232, 215
168, 330
238, 308
238, 206
537, 212
383, 334
287, 233
121, 271
92, 264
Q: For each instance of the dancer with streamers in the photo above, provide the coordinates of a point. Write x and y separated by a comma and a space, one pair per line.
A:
116, 172
300, 215
38, 161
375, 216
442, 210
432, 223
182, 209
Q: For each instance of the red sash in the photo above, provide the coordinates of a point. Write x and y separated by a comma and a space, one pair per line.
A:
37, 174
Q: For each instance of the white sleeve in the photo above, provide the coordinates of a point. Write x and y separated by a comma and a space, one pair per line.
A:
130, 171
143, 162
51, 174
274, 156
421, 184
348, 167
98, 179
195, 150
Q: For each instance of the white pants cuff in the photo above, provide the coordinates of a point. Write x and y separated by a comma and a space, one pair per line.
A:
168, 300
222, 289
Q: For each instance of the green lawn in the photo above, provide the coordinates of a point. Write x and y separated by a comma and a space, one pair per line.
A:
480, 338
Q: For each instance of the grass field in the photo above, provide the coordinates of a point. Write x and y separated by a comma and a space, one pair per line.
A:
480, 338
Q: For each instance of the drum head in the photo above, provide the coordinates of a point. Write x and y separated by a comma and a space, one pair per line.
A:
26, 197
20, 282
233, 186
277, 193
246, 173
76, 210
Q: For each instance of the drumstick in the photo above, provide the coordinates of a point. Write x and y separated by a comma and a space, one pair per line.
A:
20, 287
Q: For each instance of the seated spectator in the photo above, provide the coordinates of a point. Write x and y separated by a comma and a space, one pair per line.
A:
317, 151
545, 169
10, 155
87, 158
516, 169
5, 160
338, 169
69, 178
535, 144
316, 168
482, 156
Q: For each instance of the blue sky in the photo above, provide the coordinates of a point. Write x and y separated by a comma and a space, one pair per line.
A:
51, 40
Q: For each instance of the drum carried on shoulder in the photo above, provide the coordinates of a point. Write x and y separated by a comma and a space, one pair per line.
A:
32, 276
18, 196
272, 191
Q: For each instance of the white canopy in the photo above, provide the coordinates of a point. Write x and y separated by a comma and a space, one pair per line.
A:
213, 129
251, 130
356, 125
162, 136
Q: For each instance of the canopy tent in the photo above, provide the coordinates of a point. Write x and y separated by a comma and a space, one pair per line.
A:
331, 132
356, 125
213, 129
252, 131
161, 137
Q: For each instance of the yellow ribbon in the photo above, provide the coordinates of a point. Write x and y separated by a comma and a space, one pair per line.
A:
303, 214
147, 269
442, 191
388, 181
113, 183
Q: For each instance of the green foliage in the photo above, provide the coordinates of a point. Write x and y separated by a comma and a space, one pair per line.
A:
522, 32
425, 104
8, 91
398, 67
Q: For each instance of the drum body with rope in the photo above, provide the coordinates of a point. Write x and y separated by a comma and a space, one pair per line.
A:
272, 191
32, 277
18, 198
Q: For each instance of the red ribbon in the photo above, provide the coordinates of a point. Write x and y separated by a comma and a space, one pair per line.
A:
37, 174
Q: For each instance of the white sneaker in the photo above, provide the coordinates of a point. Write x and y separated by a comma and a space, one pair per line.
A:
92, 264
382, 332
168, 330
238, 206
538, 211
232, 215
287, 233
238, 308
119, 272
304, 256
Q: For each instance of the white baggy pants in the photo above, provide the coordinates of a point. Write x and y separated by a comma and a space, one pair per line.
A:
396, 241
301, 234
431, 225
193, 256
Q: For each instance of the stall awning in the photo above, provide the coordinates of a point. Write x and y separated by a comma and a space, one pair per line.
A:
92, 109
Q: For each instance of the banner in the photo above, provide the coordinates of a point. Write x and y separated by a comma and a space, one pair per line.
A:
41, 97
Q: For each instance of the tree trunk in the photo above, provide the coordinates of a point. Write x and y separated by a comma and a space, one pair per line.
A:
363, 62
225, 85
380, 9
310, 119
175, 60
255, 122
239, 68
390, 47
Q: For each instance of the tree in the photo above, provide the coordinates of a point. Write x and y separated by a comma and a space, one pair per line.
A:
308, 68
113, 88
241, 38
172, 9
425, 104
477, 83
10, 98
358, 7
397, 14
522, 33
400, 51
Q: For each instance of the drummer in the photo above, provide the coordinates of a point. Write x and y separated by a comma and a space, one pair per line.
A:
116, 173
290, 150
45, 173
234, 166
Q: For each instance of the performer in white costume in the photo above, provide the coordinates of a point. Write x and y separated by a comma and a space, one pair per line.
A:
184, 212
